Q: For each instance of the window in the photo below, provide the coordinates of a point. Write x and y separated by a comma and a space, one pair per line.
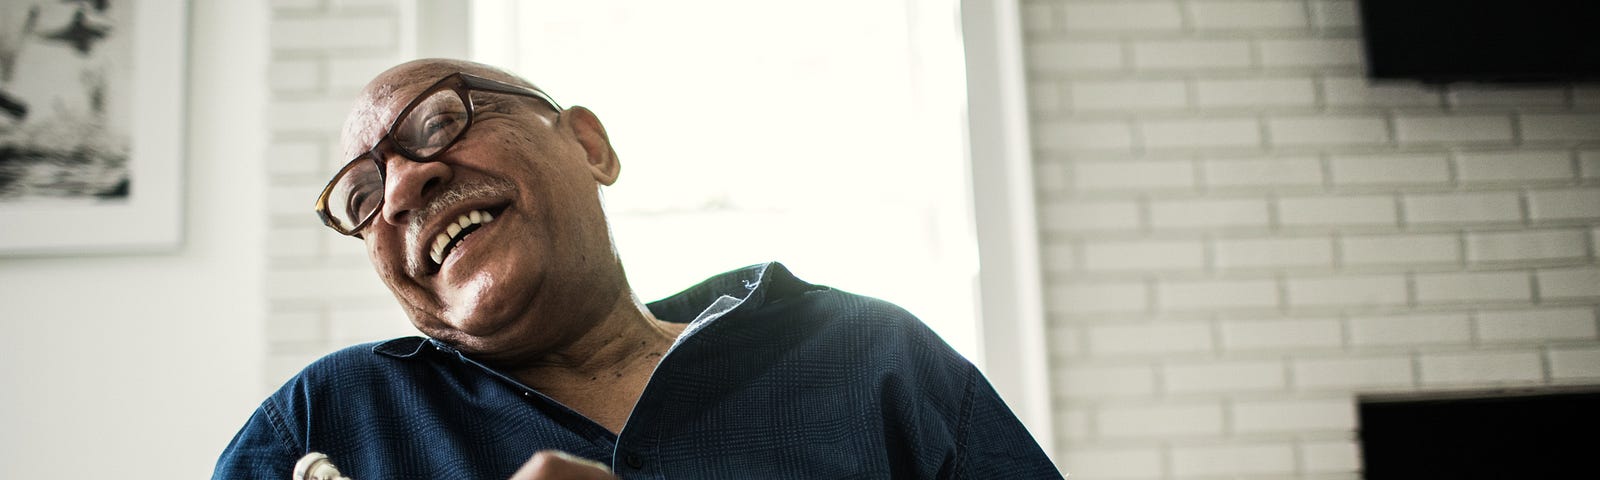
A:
827, 135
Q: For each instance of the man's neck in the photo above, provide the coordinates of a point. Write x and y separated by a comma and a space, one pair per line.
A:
603, 371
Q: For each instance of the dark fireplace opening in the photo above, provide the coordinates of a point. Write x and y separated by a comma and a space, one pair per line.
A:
1481, 435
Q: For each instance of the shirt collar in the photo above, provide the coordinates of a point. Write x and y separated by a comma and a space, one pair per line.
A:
747, 288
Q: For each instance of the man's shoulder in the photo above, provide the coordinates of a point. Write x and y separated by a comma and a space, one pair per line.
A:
358, 363
863, 318
846, 309
770, 289
833, 322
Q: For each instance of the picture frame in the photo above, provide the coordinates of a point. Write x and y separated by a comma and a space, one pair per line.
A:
68, 197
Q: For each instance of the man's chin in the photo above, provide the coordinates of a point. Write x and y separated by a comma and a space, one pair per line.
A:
473, 323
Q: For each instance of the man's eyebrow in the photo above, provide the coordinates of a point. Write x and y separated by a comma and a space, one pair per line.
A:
511, 104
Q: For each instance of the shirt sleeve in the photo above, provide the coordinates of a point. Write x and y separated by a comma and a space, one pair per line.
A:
962, 428
260, 451
993, 443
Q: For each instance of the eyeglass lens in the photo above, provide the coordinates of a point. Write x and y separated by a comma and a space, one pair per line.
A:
430, 127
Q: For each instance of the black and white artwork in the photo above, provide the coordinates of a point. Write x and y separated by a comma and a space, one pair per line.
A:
91, 125
64, 85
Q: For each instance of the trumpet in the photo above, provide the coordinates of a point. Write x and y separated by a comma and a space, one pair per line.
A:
316, 466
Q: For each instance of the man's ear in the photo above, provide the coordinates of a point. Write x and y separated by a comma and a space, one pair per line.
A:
592, 135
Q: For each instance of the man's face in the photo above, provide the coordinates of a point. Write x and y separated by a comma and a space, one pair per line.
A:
514, 280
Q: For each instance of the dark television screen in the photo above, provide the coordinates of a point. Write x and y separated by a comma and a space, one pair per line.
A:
1533, 436
1482, 40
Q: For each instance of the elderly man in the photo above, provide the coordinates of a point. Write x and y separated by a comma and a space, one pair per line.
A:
477, 196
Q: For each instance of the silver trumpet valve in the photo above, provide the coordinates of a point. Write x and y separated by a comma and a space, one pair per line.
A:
316, 466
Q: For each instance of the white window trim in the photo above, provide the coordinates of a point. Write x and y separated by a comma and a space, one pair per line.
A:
1011, 303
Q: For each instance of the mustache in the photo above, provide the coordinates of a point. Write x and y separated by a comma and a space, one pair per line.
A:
456, 194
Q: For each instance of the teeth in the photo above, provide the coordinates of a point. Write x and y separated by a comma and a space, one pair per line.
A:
476, 217
437, 252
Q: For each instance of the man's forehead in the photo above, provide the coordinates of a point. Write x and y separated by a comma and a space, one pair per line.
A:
389, 91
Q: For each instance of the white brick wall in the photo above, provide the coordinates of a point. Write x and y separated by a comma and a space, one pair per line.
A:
1481, 368
1134, 175
320, 291
1462, 208
1565, 204
1242, 234
1159, 338
1143, 255
1255, 92
1478, 96
1530, 166
1569, 284
1212, 294
1274, 252
1350, 290
1272, 335
1338, 210
1310, 52
1114, 463
1088, 96
1099, 297
1263, 172
1207, 213
1474, 287
1410, 330
1561, 126
1537, 325
1202, 132
1453, 128
1175, 420
1526, 245
1190, 54
1225, 377
1099, 381
1232, 460
1329, 129
1367, 169
1250, 14
1120, 16
1412, 249
1575, 364
1296, 415
1353, 373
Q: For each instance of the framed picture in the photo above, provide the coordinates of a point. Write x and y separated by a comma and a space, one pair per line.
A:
91, 125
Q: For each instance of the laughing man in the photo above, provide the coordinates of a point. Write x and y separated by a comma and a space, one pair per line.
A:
477, 196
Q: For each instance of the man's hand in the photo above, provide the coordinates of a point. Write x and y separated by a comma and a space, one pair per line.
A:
552, 465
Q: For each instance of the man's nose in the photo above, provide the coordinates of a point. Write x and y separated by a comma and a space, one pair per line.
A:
409, 185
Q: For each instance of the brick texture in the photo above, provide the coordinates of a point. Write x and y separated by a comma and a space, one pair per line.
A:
1233, 460
1318, 237
320, 292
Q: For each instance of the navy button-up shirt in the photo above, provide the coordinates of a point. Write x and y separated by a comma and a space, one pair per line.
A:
772, 378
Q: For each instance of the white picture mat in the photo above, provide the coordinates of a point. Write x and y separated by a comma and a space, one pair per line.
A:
151, 219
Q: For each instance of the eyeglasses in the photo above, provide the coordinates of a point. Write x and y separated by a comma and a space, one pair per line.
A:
427, 126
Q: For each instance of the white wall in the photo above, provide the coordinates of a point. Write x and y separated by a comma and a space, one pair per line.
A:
321, 292
143, 366
1241, 235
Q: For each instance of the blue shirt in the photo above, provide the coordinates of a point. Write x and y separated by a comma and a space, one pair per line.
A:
772, 378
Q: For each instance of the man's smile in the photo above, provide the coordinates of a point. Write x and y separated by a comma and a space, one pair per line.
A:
465, 224
449, 231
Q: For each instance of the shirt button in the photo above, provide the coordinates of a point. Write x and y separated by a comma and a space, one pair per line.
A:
634, 461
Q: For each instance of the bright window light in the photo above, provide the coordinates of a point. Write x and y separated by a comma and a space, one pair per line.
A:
827, 135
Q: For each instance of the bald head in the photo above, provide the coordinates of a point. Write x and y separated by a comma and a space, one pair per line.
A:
380, 101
